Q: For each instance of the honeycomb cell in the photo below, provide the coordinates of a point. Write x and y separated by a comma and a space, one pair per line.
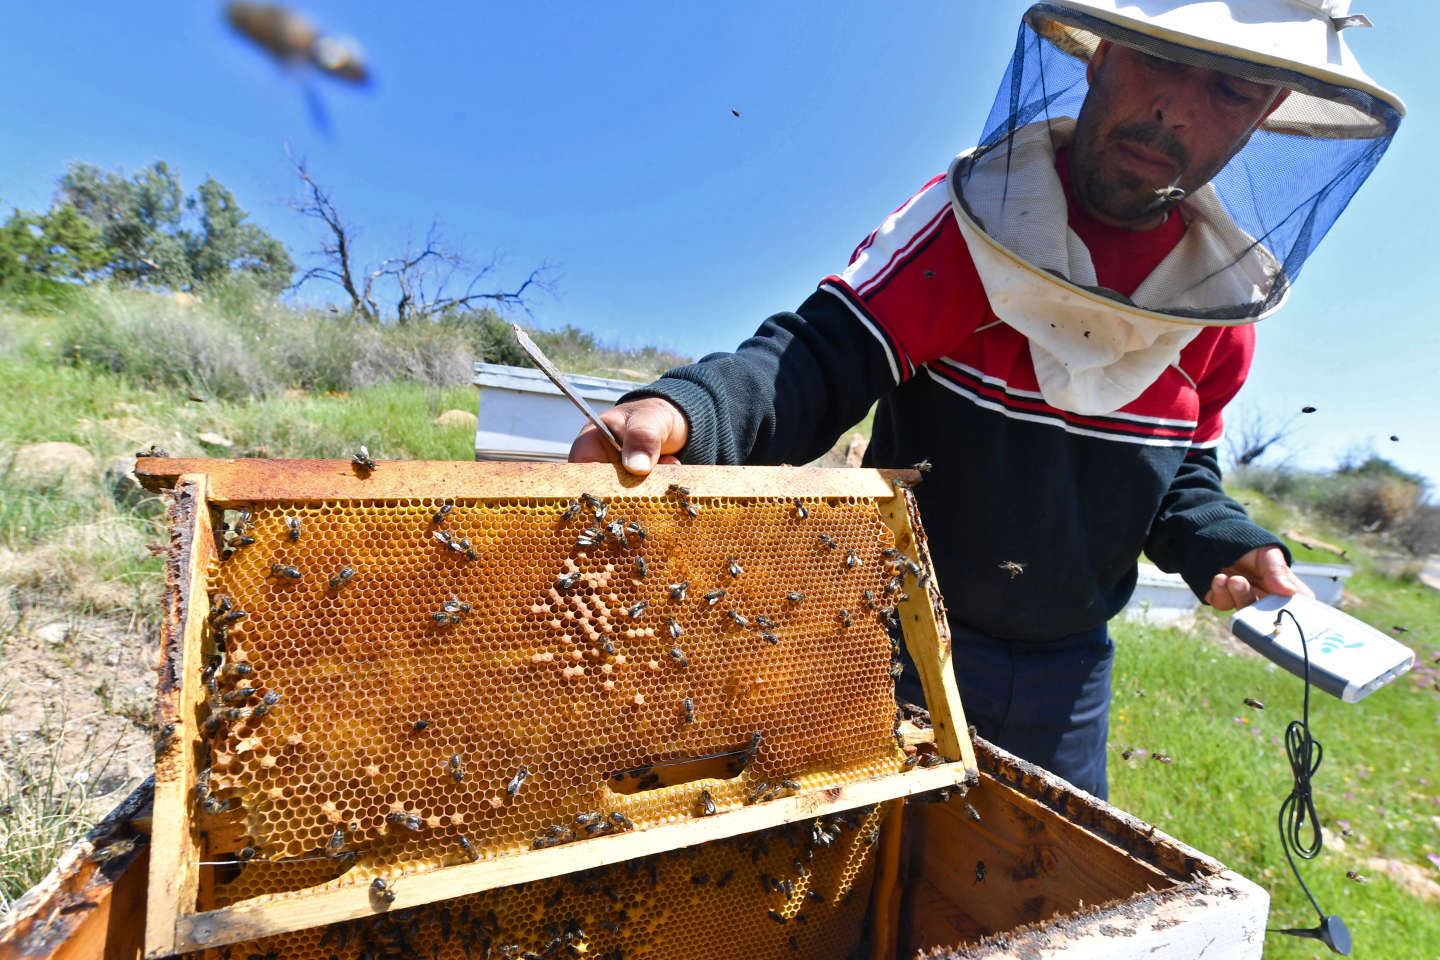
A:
561, 701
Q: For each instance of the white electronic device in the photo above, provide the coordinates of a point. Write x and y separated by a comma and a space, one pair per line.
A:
1348, 659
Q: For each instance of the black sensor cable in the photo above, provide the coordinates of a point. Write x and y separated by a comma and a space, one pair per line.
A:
1305, 752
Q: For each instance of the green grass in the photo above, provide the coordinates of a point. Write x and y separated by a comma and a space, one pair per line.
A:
1182, 693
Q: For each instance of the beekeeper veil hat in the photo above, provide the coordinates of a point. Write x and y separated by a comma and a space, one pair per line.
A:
1248, 231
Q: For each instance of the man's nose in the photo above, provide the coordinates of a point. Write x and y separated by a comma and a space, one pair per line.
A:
1175, 102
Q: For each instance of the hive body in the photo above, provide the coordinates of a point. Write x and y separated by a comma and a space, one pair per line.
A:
412, 695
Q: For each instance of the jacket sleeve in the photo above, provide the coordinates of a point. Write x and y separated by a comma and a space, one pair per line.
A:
1199, 530
787, 393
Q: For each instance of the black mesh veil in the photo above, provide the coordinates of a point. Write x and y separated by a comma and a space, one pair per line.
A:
1281, 192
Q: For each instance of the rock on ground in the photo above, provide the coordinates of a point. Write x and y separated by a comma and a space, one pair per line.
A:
54, 462
457, 418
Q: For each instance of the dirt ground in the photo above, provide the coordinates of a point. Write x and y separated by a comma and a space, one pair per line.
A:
79, 689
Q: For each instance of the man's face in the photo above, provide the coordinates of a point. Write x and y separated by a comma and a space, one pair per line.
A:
1148, 124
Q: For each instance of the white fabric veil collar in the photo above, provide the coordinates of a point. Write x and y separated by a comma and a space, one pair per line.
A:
1092, 355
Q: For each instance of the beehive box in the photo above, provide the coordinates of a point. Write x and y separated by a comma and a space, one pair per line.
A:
391, 684
1065, 877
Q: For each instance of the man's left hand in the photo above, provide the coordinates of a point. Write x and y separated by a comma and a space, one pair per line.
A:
1259, 573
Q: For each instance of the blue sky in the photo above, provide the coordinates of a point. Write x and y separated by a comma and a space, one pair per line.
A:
600, 137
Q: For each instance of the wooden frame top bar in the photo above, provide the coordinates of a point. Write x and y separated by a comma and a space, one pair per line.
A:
233, 481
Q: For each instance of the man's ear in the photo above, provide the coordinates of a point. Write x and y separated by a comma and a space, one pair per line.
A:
1096, 58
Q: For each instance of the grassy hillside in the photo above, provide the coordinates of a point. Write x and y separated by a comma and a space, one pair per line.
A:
238, 376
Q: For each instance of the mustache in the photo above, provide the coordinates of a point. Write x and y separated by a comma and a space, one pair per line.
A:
1153, 137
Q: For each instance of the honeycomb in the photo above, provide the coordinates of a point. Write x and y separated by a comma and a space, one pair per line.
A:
412, 687
801, 890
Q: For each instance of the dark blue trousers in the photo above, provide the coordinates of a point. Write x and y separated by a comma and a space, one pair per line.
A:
1048, 703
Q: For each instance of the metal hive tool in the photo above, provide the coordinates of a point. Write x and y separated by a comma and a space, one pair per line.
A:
457, 677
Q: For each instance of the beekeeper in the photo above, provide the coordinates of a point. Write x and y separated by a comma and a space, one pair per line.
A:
1057, 324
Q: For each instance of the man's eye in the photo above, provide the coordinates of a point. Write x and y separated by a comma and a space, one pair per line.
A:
1233, 96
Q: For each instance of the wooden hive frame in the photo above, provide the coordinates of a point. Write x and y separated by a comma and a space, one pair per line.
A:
177, 918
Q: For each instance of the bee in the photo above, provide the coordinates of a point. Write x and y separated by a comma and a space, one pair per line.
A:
584, 540
1161, 757
238, 542
915, 569
789, 784
595, 827
345, 575
734, 568
971, 812
714, 597
868, 598
770, 638
443, 537
648, 781
852, 560
979, 871
931, 760
468, 848
454, 605
464, 546
637, 609
608, 647
795, 598
688, 706
634, 529
597, 506
621, 821
571, 511
335, 846
567, 581
738, 620
641, 567
1356, 876
245, 854
910, 760
691, 509
724, 878
677, 590
237, 669
844, 617
152, 451
238, 695
381, 890
1011, 567
616, 529
678, 656
801, 511
897, 668
675, 630
1252, 702
828, 541
776, 917
285, 570
894, 586
443, 619
361, 461
677, 489
165, 738
266, 702
242, 521
445, 510
292, 528
514, 786
924, 466
419, 725
457, 768
700, 879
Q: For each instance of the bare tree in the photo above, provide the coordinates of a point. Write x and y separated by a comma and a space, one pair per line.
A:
420, 283
1252, 433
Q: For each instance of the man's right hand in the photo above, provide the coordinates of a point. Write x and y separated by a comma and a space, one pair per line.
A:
650, 430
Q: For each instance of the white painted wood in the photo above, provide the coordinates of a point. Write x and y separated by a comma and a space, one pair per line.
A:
523, 416
1326, 579
1160, 598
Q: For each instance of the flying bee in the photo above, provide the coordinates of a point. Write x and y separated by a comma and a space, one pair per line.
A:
678, 656
707, 804
445, 510
734, 568
738, 620
457, 768
634, 529
285, 570
616, 529
345, 575
795, 598
897, 668
770, 638
688, 706
514, 786
971, 812
1011, 567
714, 597
924, 466
868, 598
567, 581
641, 567
361, 461
1356, 876
828, 541
677, 590
852, 560
801, 511
675, 630
1252, 702
637, 609
292, 528
571, 511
